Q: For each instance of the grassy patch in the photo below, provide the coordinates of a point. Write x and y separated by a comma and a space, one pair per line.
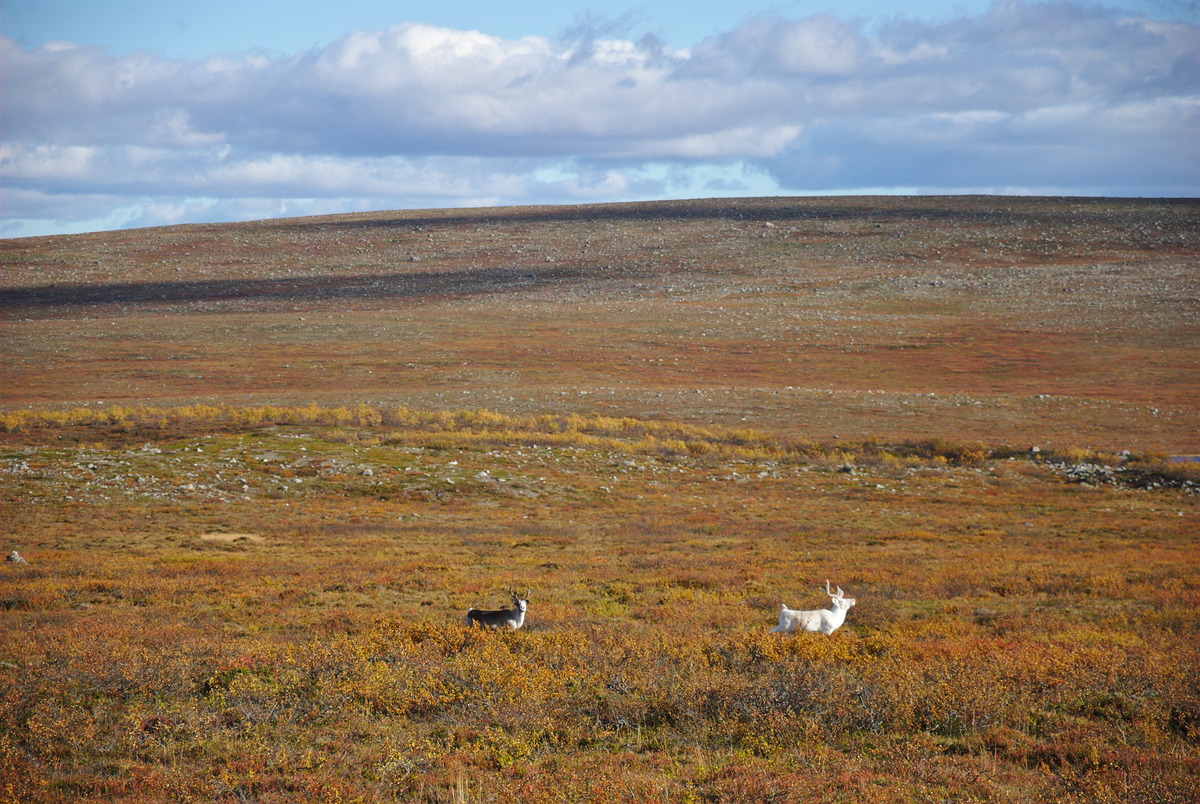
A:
230, 606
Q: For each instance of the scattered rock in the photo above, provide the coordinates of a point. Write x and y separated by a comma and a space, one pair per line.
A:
1124, 477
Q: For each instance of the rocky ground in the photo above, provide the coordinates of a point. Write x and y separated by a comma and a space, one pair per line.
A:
1010, 320
925, 400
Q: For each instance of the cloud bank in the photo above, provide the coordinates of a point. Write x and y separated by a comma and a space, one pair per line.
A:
1056, 97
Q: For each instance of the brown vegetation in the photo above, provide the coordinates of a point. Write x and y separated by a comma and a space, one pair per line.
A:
1018, 636
320, 442
1068, 322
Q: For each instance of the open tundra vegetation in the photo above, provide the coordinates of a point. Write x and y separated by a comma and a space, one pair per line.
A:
258, 474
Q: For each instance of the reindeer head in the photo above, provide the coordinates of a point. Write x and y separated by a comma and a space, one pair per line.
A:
519, 603
839, 599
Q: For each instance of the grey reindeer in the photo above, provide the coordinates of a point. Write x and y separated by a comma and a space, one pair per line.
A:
512, 618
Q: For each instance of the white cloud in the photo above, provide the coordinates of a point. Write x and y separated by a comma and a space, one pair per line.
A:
173, 128
46, 164
1028, 94
817, 46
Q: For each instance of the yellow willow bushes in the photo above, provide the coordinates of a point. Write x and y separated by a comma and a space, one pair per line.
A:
480, 428
190, 416
471, 429
427, 428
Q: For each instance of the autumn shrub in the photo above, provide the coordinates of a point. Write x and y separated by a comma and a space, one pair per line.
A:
1016, 638
464, 429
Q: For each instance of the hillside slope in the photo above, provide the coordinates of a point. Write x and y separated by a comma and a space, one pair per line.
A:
1010, 320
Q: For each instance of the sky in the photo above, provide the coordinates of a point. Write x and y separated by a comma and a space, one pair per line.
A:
128, 113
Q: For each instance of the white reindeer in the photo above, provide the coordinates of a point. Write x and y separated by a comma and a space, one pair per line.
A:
824, 620
512, 618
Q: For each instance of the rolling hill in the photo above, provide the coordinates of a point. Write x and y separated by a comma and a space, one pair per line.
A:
1013, 320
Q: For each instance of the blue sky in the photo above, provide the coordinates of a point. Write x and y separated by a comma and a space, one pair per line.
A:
188, 29
118, 113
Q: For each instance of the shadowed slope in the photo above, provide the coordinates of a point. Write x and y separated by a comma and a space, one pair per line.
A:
1001, 319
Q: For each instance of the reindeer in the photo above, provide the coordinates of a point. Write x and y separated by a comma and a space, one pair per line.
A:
824, 620
512, 618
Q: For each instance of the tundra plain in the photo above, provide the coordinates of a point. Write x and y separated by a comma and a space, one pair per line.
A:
260, 471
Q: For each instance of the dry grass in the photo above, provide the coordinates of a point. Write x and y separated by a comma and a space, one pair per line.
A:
260, 471
1018, 636
1068, 322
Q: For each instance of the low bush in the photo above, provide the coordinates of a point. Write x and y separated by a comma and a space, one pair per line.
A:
299, 635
